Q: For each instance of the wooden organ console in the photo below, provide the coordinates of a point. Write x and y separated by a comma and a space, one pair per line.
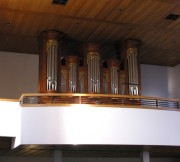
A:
91, 77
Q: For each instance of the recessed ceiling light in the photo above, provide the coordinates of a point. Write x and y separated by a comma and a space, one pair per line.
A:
172, 17
119, 9
7, 23
129, 28
59, 2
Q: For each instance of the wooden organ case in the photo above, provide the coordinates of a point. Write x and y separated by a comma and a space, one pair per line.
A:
91, 76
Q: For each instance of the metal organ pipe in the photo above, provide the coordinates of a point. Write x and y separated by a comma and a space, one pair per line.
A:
122, 82
130, 73
81, 81
98, 75
49, 44
63, 81
72, 67
116, 80
112, 86
93, 72
72, 77
52, 63
136, 69
92, 54
114, 75
133, 75
48, 70
136, 74
51, 73
133, 71
89, 76
55, 67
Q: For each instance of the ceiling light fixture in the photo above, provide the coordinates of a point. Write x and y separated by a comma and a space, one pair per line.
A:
59, 2
172, 17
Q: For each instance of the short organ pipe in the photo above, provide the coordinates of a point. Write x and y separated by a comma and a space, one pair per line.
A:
72, 70
114, 76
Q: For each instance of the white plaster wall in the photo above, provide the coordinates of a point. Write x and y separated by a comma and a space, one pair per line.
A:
18, 74
91, 125
9, 119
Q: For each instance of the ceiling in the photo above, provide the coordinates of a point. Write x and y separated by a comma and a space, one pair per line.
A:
103, 21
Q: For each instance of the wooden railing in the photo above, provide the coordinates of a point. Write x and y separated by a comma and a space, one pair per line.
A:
65, 99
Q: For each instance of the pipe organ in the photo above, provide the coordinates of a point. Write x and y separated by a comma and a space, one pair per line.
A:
91, 76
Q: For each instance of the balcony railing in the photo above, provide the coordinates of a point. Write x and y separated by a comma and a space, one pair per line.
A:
107, 100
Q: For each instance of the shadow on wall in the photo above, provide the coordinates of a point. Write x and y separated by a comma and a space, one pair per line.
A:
154, 81
174, 82
160, 81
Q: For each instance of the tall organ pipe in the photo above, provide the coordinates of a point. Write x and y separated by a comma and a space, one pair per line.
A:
132, 67
93, 72
113, 66
51, 65
48, 61
92, 61
81, 79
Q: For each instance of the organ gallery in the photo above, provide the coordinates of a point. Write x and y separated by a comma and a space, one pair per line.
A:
88, 72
